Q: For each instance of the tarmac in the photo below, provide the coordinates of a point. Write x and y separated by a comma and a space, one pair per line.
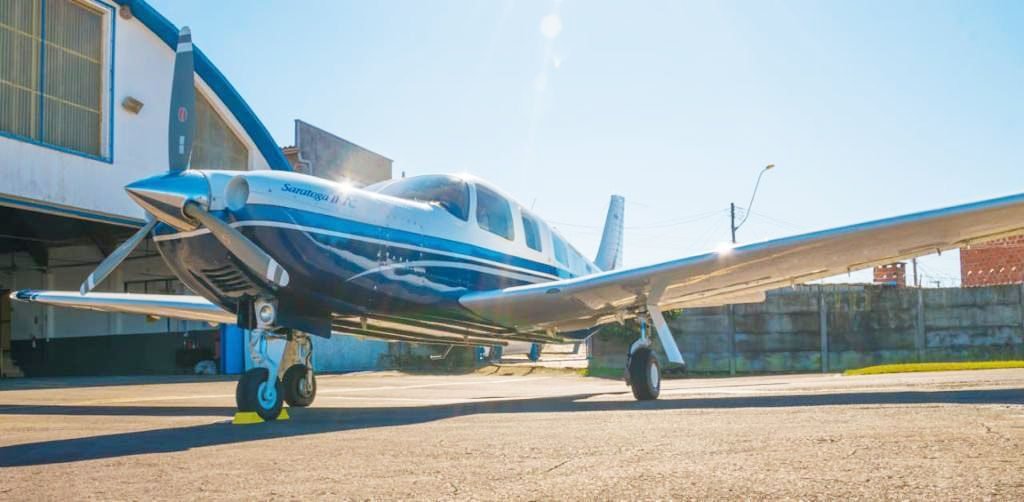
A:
520, 434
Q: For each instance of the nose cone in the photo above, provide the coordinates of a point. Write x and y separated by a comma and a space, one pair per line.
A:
165, 196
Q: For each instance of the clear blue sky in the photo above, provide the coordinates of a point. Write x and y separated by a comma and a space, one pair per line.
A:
869, 109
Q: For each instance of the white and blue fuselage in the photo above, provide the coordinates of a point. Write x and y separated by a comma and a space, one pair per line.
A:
406, 246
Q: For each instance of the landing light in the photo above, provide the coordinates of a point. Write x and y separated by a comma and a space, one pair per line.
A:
267, 314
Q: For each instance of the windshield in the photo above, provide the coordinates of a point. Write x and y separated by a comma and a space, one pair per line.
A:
449, 192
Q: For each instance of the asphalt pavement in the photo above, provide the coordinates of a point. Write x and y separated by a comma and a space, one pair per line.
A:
515, 434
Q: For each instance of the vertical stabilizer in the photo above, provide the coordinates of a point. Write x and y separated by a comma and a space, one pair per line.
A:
609, 255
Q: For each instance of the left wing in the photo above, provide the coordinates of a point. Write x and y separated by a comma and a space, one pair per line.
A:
189, 308
744, 274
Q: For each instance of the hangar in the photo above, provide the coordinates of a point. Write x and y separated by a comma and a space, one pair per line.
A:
84, 91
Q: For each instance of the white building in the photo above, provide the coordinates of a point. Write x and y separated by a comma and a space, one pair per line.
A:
84, 92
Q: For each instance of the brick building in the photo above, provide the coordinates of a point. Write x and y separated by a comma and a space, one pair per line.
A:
995, 262
893, 274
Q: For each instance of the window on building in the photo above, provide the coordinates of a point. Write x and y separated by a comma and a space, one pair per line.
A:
493, 213
532, 233
51, 76
448, 192
561, 253
215, 145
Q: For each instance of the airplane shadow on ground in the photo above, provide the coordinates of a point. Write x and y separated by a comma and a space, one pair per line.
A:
322, 420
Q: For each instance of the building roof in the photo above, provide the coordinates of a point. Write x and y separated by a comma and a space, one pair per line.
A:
168, 32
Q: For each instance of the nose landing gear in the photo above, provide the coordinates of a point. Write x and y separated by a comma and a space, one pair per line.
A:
283, 373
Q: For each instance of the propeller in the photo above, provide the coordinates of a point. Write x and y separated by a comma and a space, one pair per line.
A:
180, 128
183, 103
156, 193
111, 262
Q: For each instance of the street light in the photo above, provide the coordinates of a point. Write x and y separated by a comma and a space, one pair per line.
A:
732, 206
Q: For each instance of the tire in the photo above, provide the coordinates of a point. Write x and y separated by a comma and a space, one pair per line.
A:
247, 395
294, 382
644, 375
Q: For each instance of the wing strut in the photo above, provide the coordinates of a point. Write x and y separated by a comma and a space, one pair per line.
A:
668, 343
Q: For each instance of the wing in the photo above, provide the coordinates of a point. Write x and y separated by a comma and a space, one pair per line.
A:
190, 308
743, 274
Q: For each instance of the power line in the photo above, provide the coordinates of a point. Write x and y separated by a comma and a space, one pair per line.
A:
661, 224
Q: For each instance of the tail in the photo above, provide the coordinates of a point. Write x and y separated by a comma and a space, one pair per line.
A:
609, 255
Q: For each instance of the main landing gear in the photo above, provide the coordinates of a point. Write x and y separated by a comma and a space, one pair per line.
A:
283, 373
643, 372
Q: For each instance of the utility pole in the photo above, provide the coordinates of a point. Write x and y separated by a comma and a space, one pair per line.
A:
732, 216
917, 278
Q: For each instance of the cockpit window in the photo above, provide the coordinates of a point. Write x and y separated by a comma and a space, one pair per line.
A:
448, 192
493, 213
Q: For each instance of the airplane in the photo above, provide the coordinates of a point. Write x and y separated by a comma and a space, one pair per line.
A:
448, 260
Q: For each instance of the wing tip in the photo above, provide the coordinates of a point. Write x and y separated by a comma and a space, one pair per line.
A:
24, 295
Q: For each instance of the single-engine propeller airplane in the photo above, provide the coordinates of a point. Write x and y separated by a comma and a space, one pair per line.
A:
446, 260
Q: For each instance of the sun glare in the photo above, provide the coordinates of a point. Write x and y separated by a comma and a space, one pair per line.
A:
551, 26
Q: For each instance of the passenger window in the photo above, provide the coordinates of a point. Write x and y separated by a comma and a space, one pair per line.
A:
532, 233
574, 260
493, 213
561, 254
448, 192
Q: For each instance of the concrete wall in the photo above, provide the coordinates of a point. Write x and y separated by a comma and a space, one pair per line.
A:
349, 353
838, 327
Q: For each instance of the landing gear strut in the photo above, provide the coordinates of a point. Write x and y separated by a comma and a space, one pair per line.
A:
283, 372
643, 372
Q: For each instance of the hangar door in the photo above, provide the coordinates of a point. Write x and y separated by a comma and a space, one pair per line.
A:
5, 324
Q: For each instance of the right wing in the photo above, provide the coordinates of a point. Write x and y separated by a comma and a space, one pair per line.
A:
189, 308
744, 274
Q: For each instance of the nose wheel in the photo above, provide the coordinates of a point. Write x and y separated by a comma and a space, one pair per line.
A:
255, 392
299, 386
265, 388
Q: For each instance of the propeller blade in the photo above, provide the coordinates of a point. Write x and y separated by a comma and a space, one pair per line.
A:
183, 104
245, 250
111, 262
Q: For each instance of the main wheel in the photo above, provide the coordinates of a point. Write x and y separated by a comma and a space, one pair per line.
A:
252, 394
299, 392
644, 375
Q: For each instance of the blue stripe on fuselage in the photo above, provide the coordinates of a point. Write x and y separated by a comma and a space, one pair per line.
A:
261, 212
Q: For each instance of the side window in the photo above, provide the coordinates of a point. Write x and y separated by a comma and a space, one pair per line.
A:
574, 260
561, 254
532, 233
493, 213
